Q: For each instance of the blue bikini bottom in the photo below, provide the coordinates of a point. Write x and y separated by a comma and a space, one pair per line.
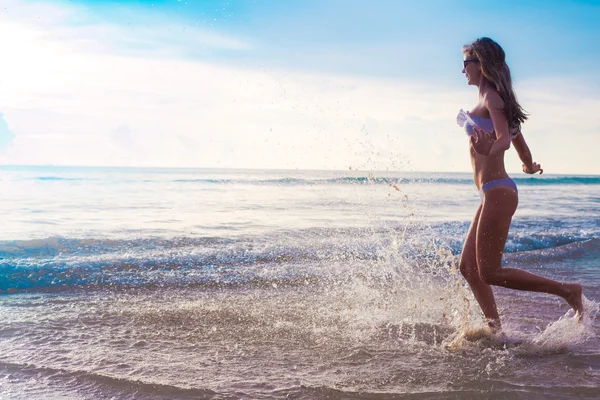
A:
498, 182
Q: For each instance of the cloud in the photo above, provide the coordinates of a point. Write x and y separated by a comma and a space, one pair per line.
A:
108, 106
129, 31
563, 127
103, 109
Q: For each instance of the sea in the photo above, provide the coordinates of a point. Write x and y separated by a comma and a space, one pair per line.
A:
154, 283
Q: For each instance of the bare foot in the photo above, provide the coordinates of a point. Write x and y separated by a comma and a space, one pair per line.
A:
573, 297
495, 326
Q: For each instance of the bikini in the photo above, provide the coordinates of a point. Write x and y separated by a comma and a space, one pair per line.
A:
469, 121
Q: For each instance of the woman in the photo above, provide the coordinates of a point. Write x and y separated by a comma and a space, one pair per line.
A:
492, 124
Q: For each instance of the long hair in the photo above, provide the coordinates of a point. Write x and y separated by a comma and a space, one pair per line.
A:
493, 67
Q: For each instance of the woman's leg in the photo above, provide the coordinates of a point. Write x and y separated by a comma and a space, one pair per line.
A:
499, 205
481, 290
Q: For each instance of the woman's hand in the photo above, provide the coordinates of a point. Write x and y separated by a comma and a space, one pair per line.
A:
482, 142
535, 167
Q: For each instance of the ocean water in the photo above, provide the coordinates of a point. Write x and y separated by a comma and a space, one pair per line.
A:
141, 283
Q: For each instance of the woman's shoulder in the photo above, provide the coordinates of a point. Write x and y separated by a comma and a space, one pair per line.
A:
492, 99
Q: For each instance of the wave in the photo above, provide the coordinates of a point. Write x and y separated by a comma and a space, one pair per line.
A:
507, 391
96, 385
374, 180
56, 264
61, 178
59, 264
50, 382
302, 244
526, 235
300, 181
302, 178
581, 249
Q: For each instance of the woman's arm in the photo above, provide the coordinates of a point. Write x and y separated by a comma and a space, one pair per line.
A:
529, 167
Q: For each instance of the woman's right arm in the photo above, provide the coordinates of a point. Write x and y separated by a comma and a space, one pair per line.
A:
529, 167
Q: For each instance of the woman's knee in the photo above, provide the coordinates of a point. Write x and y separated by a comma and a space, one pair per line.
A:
468, 269
489, 277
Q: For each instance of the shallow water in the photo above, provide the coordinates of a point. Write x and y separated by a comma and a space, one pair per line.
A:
161, 284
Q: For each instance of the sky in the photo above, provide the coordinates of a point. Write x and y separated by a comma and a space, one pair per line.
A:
366, 85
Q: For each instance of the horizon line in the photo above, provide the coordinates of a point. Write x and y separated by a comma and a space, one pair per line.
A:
261, 169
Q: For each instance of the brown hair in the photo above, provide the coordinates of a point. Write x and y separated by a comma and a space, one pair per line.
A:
493, 67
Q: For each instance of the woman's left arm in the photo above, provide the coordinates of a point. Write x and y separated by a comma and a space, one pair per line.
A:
483, 143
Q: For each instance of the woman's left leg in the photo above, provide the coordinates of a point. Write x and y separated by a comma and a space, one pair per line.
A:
468, 267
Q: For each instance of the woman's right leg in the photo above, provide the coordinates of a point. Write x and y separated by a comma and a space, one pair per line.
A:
492, 230
468, 267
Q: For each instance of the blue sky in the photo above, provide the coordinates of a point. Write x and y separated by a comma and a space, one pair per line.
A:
541, 37
287, 84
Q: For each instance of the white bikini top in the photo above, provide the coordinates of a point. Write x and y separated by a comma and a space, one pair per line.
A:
469, 121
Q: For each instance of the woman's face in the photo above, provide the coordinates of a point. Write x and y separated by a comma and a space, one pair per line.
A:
471, 69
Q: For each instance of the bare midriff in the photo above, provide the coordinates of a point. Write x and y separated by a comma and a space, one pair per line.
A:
487, 168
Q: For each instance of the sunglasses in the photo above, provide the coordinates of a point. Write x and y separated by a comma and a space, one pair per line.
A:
466, 62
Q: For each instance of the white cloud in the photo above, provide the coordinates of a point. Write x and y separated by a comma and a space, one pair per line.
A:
563, 129
137, 32
75, 107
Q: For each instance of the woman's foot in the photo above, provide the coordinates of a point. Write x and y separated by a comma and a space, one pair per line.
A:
573, 297
495, 326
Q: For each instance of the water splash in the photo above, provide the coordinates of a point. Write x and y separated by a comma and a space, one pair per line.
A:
568, 331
